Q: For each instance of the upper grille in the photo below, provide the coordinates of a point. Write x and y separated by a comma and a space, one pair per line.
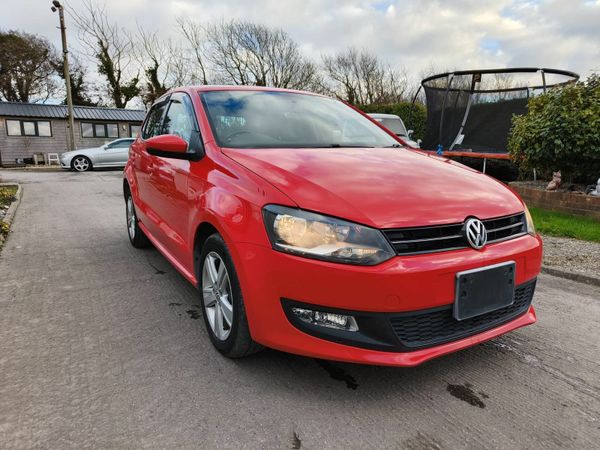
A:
439, 238
437, 326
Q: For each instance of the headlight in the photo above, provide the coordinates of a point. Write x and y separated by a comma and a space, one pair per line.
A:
529, 221
321, 237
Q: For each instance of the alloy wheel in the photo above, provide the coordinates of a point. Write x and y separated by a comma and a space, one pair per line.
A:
81, 164
131, 219
217, 296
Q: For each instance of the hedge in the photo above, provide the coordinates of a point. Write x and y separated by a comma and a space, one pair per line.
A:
561, 131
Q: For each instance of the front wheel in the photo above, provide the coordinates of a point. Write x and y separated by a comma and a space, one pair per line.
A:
136, 236
222, 301
81, 164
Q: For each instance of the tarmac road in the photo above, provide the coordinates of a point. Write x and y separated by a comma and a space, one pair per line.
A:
103, 346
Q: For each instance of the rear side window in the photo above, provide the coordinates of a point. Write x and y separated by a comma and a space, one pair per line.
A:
153, 124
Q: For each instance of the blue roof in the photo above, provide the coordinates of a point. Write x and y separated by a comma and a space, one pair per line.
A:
18, 109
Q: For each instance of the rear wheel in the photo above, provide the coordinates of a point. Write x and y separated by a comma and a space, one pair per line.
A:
222, 301
136, 236
81, 164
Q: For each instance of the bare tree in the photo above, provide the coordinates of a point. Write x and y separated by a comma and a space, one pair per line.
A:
360, 77
195, 36
27, 67
163, 63
112, 47
250, 54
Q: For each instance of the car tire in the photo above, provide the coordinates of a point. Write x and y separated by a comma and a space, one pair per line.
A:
136, 236
224, 300
81, 163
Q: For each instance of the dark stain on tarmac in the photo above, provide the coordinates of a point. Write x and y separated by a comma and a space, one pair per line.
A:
193, 314
296, 442
339, 374
466, 394
157, 271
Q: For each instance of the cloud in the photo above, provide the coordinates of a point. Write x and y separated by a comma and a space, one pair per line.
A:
411, 34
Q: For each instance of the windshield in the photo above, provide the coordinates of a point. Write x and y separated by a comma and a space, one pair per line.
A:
394, 125
268, 119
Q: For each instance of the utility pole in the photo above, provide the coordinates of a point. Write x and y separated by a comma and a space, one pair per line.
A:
63, 31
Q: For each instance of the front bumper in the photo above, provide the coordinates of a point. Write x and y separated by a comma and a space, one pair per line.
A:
394, 288
65, 161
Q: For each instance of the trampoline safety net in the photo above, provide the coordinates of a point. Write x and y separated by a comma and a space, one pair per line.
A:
472, 110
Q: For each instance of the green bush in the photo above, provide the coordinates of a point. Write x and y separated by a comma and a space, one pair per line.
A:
7, 195
415, 118
561, 131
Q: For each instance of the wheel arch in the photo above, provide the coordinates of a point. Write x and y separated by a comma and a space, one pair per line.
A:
126, 188
203, 231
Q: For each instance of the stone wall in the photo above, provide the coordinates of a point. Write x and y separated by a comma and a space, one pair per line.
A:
567, 202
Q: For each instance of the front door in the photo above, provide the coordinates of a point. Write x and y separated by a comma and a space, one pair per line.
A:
144, 165
114, 153
169, 179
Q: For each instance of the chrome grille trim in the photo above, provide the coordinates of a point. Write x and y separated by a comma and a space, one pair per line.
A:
441, 238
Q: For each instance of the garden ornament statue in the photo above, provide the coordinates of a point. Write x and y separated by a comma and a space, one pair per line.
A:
596, 191
555, 183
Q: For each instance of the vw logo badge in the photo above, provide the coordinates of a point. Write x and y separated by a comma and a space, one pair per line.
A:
475, 233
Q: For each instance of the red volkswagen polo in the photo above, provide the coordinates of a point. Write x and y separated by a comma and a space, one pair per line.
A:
309, 229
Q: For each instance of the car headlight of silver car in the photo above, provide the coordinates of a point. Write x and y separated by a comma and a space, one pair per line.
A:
312, 235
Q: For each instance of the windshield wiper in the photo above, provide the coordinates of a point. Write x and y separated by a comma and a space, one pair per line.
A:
346, 146
394, 146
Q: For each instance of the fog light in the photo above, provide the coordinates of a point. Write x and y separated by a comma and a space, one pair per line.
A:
326, 319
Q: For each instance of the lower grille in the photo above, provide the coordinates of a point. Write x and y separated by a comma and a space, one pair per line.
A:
437, 326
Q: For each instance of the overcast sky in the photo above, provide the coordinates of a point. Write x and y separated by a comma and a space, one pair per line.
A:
410, 34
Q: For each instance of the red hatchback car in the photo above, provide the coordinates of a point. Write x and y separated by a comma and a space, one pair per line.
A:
308, 228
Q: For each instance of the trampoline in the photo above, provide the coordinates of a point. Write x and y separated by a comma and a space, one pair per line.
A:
469, 112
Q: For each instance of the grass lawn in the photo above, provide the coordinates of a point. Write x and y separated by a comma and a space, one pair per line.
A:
565, 225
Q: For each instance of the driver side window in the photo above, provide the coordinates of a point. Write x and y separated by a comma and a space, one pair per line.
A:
152, 126
180, 117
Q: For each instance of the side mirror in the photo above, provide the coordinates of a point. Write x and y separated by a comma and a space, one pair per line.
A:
171, 146
168, 143
105, 147
409, 133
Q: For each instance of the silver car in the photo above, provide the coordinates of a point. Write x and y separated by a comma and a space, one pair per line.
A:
113, 154
394, 123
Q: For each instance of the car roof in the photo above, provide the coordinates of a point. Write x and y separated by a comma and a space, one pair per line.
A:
212, 87
383, 116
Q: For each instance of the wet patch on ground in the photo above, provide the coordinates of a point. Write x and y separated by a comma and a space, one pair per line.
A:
466, 393
157, 271
296, 442
193, 313
338, 373
421, 442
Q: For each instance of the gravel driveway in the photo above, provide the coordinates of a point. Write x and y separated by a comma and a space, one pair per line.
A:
103, 346
572, 255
